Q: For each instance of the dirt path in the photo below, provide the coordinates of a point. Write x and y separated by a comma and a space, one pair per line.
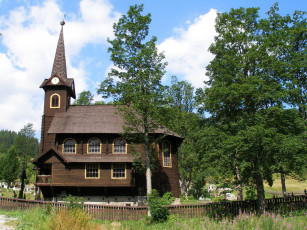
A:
3, 221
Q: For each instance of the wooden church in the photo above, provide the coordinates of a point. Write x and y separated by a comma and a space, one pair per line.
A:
83, 154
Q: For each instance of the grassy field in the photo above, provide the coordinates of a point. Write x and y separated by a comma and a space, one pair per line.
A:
9, 193
292, 185
41, 219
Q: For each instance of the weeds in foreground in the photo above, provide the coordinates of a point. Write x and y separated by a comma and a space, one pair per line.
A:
77, 219
68, 219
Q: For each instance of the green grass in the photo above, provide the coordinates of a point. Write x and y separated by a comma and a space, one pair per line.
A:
40, 219
9, 193
292, 185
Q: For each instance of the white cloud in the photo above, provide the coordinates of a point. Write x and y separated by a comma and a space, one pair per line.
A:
30, 37
187, 53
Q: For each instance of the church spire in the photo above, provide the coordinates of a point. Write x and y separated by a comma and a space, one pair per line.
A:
59, 64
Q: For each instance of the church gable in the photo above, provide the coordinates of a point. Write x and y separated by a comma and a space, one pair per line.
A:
47, 155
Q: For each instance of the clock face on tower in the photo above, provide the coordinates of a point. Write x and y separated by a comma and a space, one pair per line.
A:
55, 80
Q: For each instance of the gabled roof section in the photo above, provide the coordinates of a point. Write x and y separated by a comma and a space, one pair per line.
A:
93, 119
59, 64
52, 149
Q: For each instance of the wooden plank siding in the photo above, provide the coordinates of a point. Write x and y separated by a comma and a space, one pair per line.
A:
73, 174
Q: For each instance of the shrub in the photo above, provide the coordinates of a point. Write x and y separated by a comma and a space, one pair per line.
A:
74, 202
158, 211
250, 194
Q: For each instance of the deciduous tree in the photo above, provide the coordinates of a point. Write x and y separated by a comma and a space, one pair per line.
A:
135, 82
85, 98
243, 91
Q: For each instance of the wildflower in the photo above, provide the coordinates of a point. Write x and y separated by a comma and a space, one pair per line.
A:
284, 224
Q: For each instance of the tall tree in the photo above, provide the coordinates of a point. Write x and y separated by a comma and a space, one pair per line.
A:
26, 142
10, 165
85, 98
139, 69
28, 147
286, 40
179, 117
241, 90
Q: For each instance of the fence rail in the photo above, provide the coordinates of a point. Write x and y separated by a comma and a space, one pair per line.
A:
108, 212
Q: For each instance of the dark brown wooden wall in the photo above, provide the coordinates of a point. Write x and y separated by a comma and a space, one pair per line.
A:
73, 174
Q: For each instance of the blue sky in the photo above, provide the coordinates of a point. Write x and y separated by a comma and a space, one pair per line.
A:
30, 29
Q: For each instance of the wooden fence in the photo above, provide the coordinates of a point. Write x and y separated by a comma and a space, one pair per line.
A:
108, 212
103, 212
236, 207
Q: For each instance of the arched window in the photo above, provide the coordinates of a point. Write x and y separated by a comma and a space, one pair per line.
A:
119, 146
94, 146
69, 146
55, 101
166, 150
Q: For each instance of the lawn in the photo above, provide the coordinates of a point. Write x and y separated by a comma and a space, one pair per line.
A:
292, 185
9, 193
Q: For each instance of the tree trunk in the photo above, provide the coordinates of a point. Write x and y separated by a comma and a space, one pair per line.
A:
20, 196
239, 187
148, 171
283, 183
260, 193
239, 192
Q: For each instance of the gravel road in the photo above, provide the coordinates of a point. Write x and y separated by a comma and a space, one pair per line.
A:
3, 220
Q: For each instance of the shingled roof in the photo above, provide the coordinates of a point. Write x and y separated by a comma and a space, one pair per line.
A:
92, 119
77, 158
59, 64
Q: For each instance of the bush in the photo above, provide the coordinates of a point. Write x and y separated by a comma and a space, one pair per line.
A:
250, 194
74, 202
158, 211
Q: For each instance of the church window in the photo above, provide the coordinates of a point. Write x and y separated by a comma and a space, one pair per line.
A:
118, 171
119, 146
69, 146
94, 146
166, 154
55, 101
92, 170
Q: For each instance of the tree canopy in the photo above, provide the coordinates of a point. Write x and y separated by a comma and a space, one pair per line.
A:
247, 94
85, 98
135, 82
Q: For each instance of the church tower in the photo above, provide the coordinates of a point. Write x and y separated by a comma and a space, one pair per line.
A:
58, 92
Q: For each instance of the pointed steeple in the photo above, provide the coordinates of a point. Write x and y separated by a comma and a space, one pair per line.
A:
59, 64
